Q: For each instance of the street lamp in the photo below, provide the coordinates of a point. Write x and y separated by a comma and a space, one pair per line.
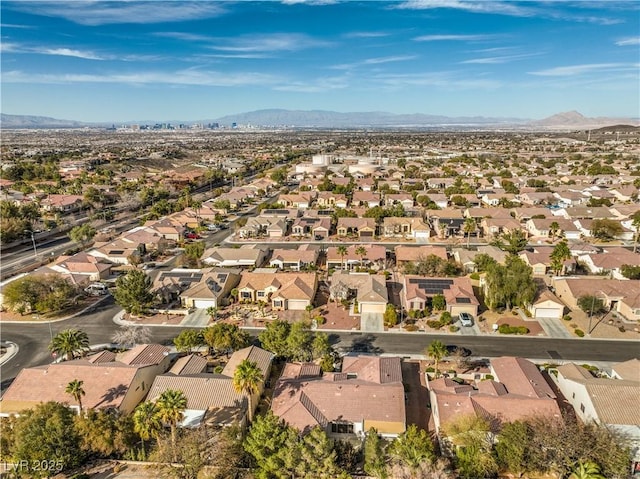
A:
33, 240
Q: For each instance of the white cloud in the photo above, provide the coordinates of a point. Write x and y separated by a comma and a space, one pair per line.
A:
64, 52
573, 70
374, 61
86, 12
310, 2
366, 34
317, 85
269, 43
454, 38
499, 59
445, 79
628, 41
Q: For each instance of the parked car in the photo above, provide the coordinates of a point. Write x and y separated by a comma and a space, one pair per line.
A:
213, 228
466, 319
96, 289
192, 236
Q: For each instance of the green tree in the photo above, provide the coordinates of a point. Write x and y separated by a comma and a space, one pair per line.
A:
82, 234
483, 261
413, 448
75, 389
318, 457
630, 271
635, 223
171, 406
512, 448
375, 463
188, 340
606, 229
274, 338
591, 304
39, 293
194, 251
469, 227
69, 342
438, 302
509, 285
362, 252
559, 255
46, 433
279, 175
299, 342
513, 242
474, 449
146, 422
390, 316
133, 292
342, 251
554, 227
436, 351
247, 379
105, 432
320, 345
225, 337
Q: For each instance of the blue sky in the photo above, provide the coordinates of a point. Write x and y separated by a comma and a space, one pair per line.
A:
192, 60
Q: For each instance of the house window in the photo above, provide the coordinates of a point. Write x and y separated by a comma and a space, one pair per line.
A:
573, 395
341, 428
581, 407
277, 303
260, 294
245, 294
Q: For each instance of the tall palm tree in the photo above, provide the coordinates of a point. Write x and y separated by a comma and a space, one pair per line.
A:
171, 405
469, 227
436, 351
74, 388
342, 251
247, 379
362, 252
69, 342
554, 227
146, 421
586, 470
636, 224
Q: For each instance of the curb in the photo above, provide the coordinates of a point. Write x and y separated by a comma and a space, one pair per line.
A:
12, 350
57, 320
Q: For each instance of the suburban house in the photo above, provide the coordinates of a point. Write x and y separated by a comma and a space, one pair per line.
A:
61, 203
110, 380
211, 398
547, 306
82, 267
518, 391
315, 227
458, 293
414, 254
168, 285
234, 257
492, 227
609, 262
362, 227
260, 226
212, 289
405, 227
370, 292
366, 198
284, 291
301, 200
540, 261
447, 222
118, 251
294, 259
375, 257
166, 228
466, 258
404, 199
543, 228
612, 401
367, 393
327, 199
622, 297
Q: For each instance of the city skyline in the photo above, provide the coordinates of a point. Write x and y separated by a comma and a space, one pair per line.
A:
130, 60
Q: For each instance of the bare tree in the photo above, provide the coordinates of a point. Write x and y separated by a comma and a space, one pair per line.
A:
129, 336
338, 291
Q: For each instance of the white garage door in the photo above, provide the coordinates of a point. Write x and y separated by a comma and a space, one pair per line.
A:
548, 313
204, 303
371, 308
297, 304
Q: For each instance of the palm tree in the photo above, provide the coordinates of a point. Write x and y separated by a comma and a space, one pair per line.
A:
554, 227
636, 224
247, 379
469, 227
171, 405
74, 388
436, 351
362, 252
213, 312
146, 421
586, 470
69, 342
342, 251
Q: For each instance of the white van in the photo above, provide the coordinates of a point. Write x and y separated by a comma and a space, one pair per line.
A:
96, 289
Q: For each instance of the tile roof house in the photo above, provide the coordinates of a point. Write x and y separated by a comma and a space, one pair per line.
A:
211, 398
467, 258
118, 251
109, 380
285, 291
62, 203
167, 228
260, 226
234, 257
363, 227
370, 291
375, 257
294, 259
82, 267
458, 293
367, 393
405, 199
366, 198
610, 261
492, 227
612, 402
212, 289
519, 391
314, 227
546, 305
405, 227
413, 254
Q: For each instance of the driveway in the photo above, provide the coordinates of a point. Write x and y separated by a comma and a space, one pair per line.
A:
416, 393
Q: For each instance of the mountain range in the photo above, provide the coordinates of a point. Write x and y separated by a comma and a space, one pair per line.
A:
330, 119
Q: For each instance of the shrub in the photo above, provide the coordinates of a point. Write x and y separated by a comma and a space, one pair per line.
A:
506, 329
579, 333
430, 369
445, 317
410, 327
488, 377
474, 276
453, 328
567, 317
320, 320
435, 324
622, 329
